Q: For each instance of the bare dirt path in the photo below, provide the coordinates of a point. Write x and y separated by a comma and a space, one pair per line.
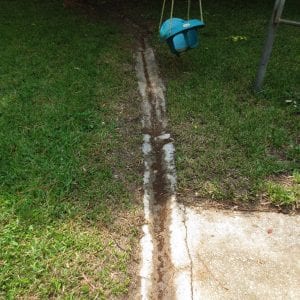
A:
164, 217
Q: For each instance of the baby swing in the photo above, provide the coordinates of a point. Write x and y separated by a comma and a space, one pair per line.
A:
181, 35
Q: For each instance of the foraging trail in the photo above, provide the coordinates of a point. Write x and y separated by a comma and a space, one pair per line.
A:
164, 218
194, 253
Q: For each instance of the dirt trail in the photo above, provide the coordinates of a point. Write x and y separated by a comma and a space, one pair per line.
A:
157, 187
167, 268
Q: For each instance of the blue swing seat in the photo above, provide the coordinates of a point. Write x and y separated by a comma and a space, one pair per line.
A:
180, 35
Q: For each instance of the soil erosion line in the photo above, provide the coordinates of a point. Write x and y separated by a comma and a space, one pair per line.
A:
160, 207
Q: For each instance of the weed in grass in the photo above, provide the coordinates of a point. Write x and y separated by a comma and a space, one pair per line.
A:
285, 192
280, 195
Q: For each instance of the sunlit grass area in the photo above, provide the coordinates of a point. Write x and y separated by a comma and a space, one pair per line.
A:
64, 185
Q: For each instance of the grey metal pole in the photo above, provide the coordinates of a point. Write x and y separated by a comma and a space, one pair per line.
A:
289, 22
267, 50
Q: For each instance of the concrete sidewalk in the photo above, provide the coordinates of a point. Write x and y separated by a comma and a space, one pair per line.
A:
243, 255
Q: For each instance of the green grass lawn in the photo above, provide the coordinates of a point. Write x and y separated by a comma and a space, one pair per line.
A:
232, 144
65, 171
67, 152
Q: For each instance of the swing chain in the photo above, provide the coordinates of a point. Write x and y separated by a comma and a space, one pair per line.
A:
172, 11
201, 12
171, 15
162, 13
189, 9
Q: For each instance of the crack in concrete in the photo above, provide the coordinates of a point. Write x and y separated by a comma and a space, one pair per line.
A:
188, 249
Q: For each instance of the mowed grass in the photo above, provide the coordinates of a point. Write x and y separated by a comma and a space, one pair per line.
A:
67, 217
231, 142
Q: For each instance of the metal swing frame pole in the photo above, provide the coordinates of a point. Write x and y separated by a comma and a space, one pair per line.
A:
273, 25
267, 50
